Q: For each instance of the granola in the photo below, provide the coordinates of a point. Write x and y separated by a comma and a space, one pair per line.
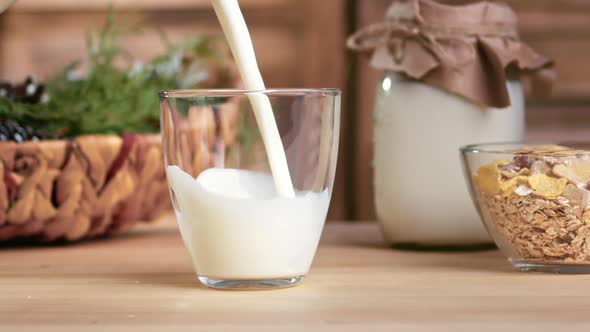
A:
539, 203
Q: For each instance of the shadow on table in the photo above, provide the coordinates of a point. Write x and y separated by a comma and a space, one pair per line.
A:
35, 244
491, 261
480, 258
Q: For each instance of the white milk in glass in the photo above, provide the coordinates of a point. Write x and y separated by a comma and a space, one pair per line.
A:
235, 226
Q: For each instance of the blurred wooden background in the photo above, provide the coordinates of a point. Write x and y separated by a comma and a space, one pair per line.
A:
301, 44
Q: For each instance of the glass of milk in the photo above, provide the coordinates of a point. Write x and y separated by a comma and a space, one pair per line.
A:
239, 230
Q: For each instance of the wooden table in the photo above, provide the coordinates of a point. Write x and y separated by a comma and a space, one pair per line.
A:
144, 282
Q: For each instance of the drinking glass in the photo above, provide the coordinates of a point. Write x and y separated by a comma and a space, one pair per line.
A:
239, 233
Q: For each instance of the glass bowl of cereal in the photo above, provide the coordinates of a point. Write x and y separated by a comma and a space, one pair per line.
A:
534, 201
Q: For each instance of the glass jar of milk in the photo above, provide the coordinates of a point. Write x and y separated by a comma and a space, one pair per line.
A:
451, 77
420, 193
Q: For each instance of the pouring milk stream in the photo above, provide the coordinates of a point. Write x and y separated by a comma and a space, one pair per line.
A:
237, 35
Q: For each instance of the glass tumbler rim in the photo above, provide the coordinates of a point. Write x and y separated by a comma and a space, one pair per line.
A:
189, 93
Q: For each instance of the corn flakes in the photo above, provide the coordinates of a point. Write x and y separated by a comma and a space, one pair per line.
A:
546, 186
577, 171
508, 186
488, 177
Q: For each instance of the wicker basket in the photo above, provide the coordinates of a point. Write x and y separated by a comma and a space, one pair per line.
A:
97, 184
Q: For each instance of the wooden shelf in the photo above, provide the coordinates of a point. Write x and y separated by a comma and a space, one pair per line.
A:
144, 282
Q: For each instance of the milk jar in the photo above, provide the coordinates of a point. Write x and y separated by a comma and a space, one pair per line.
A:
451, 77
420, 193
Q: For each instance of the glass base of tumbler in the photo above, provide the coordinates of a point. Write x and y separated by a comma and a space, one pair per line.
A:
526, 266
255, 284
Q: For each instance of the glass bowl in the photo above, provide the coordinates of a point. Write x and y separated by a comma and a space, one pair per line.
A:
240, 229
534, 201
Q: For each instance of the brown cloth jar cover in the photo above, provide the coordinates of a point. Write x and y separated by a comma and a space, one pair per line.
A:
469, 50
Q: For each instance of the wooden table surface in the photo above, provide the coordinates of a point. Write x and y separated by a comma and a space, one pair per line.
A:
144, 282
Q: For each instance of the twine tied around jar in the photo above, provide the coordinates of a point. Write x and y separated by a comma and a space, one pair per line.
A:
454, 46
